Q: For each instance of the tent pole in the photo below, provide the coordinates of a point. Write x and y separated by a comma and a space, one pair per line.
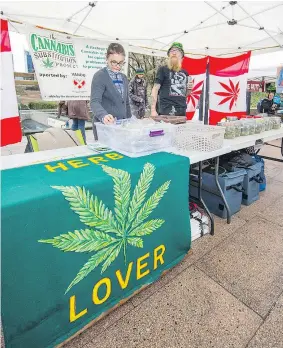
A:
263, 11
241, 7
161, 37
201, 100
222, 14
177, 38
257, 28
92, 5
73, 15
206, 110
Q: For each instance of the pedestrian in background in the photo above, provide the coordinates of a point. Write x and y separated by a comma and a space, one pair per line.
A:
78, 112
138, 94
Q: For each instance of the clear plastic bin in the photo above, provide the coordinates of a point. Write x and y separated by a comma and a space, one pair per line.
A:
136, 137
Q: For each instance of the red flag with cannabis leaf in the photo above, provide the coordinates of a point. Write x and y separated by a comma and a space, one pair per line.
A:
196, 68
228, 85
10, 122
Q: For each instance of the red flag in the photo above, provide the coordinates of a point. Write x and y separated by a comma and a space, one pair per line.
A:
10, 124
228, 84
196, 68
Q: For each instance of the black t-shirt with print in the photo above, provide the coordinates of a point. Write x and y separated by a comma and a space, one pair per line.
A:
173, 90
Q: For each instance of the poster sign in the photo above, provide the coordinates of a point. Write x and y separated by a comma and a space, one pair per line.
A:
279, 80
65, 65
81, 235
255, 86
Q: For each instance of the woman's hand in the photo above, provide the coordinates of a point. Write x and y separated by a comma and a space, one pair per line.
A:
108, 119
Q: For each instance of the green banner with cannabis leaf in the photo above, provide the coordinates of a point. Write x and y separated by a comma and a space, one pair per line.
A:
81, 235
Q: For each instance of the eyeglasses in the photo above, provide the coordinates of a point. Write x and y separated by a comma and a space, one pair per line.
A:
174, 50
116, 64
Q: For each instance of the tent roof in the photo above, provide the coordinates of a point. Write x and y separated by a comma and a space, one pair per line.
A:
203, 27
265, 65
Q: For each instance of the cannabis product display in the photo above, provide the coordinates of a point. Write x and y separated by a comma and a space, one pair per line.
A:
245, 128
276, 122
259, 125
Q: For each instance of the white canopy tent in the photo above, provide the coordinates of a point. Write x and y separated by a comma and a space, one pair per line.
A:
265, 66
204, 28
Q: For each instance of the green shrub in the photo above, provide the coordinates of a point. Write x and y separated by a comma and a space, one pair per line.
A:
41, 105
256, 97
22, 106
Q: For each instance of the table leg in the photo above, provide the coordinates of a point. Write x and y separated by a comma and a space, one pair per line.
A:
271, 158
201, 200
216, 172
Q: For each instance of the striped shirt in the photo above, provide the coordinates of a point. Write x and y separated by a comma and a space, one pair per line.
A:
117, 80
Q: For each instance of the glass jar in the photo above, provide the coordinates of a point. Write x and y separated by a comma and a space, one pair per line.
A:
229, 129
267, 123
245, 128
251, 123
276, 122
238, 127
259, 125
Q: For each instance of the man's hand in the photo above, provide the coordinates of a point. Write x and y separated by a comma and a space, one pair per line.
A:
108, 119
154, 95
154, 113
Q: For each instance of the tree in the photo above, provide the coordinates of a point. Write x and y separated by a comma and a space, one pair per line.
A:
150, 64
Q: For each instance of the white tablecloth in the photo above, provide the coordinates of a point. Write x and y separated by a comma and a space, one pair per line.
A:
14, 161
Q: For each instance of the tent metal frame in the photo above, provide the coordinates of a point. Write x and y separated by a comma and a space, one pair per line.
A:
229, 21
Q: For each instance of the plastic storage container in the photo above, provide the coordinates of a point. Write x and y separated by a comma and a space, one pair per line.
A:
136, 137
198, 137
251, 183
232, 187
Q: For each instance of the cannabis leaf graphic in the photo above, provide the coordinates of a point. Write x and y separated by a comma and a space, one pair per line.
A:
194, 96
48, 63
231, 94
110, 233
